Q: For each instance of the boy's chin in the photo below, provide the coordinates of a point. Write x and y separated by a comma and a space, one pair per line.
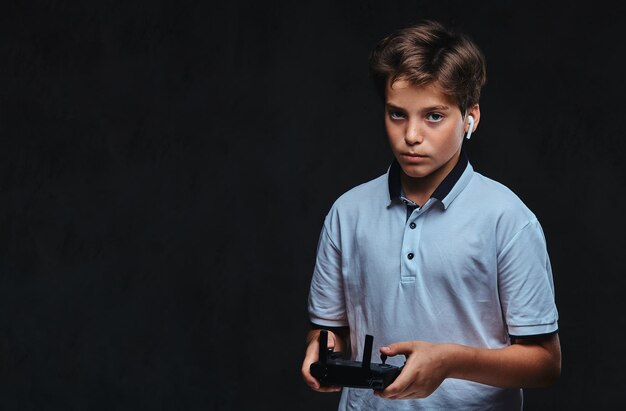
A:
416, 172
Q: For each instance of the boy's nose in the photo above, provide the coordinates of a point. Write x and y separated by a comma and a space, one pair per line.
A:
412, 134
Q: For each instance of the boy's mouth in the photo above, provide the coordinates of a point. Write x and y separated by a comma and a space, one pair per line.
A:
413, 157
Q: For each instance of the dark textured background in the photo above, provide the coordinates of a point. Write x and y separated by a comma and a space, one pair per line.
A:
165, 169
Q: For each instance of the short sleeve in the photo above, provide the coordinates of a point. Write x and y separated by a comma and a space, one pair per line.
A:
326, 296
525, 283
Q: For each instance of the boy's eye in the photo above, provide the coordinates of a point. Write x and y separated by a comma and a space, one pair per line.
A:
396, 115
436, 117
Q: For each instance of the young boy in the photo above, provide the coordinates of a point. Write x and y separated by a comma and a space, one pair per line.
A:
446, 268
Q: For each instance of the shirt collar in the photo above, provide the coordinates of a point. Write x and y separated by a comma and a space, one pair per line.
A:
441, 192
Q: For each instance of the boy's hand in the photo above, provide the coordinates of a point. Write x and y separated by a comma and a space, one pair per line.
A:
424, 370
312, 355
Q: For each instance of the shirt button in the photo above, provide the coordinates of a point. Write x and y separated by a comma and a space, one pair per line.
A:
410, 256
412, 225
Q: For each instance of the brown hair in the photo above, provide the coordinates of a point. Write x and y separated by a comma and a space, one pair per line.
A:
428, 52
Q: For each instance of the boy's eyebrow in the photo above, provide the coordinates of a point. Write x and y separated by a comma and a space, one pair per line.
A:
439, 107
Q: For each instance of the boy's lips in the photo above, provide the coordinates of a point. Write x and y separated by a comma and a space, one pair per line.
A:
413, 157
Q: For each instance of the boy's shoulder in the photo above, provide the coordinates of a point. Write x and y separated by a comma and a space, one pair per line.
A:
365, 194
492, 197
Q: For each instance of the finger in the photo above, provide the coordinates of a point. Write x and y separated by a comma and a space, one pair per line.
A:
313, 383
331, 340
404, 347
398, 387
411, 392
316, 386
308, 378
410, 395
310, 357
332, 388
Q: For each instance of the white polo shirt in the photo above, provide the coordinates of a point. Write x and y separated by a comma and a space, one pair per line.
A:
469, 267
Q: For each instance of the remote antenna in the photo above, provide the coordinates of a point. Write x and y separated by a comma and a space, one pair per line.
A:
323, 346
367, 352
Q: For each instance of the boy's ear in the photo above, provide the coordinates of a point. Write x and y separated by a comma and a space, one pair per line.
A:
473, 111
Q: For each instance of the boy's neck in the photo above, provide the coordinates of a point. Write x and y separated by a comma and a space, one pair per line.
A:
420, 189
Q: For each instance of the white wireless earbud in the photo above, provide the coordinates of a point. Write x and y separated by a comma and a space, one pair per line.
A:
470, 128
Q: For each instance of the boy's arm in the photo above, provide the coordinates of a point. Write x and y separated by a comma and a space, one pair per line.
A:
326, 303
338, 340
530, 362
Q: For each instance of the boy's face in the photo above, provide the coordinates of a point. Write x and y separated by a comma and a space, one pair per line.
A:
425, 128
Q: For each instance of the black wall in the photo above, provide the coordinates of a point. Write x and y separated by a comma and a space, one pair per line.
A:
165, 169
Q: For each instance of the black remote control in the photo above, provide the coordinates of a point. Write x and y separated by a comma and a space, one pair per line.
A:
332, 369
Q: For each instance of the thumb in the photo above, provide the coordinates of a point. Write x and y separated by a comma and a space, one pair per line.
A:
331, 340
404, 347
